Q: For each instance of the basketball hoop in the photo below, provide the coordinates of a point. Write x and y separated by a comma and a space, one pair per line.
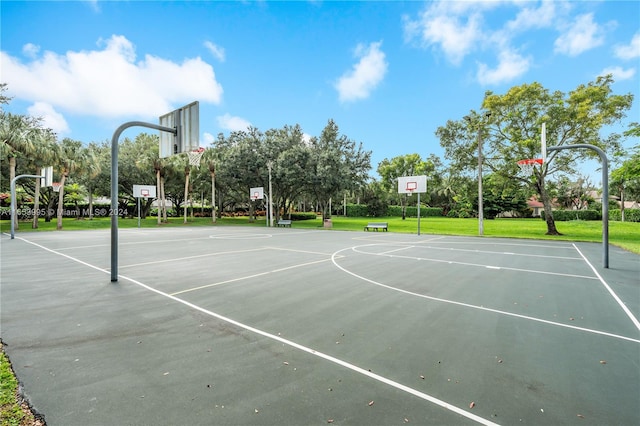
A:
195, 156
527, 166
56, 186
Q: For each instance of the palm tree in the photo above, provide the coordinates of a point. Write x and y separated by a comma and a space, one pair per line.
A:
73, 158
46, 153
17, 140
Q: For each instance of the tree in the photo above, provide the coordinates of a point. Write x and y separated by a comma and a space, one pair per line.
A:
335, 165
625, 180
513, 131
391, 170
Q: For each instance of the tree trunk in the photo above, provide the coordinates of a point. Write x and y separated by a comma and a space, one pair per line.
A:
61, 202
164, 201
36, 205
158, 202
622, 204
12, 175
186, 193
213, 197
90, 203
548, 213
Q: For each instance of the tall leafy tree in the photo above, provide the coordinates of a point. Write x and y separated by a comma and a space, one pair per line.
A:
336, 164
513, 131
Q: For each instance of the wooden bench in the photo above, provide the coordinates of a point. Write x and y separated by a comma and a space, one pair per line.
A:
377, 225
284, 222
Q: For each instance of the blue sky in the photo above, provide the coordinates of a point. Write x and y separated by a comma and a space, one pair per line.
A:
388, 73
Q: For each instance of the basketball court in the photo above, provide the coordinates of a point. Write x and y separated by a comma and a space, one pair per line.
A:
245, 326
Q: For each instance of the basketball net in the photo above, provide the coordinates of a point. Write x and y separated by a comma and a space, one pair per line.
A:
56, 186
527, 166
195, 156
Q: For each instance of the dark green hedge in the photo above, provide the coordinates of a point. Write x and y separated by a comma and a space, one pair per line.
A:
630, 215
566, 215
363, 210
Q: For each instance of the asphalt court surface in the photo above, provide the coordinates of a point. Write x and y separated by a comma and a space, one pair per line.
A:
237, 325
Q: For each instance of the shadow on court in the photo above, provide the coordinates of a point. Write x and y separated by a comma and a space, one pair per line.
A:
243, 326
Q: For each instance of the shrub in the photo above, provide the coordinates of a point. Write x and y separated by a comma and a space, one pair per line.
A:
566, 215
630, 215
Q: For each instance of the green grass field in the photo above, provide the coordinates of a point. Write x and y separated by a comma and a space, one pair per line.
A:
621, 234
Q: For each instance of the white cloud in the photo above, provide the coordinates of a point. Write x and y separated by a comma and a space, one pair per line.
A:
217, 51
207, 139
629, 51
529, 18
583, 34
109, 82
51, 118
510, 66
619, 73
365, 75
30, 50
229, 122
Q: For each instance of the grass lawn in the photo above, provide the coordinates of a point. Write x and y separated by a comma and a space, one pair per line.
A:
621, 234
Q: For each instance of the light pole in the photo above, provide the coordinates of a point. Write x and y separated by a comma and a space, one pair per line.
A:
481, 124
269, 165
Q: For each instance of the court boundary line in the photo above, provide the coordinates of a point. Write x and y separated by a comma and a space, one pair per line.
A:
481, 308
455, 262
306, 349
610, 290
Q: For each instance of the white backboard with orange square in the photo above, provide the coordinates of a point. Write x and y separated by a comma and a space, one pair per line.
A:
412, 184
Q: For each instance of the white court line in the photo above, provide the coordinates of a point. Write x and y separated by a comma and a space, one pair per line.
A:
467, 305
298, 251
248, 277
395, 250
610, 290
475, 251
195, 256
293, 344
478, 265
132, 243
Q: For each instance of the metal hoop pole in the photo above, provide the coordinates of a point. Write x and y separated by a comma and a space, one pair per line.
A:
13, 201
605, 194
114, 187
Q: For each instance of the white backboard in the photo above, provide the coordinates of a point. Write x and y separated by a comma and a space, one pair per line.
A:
412, 184
256, 193
47, 180
144, 191
187, 122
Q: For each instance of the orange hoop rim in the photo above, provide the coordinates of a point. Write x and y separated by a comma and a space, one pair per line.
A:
530, 161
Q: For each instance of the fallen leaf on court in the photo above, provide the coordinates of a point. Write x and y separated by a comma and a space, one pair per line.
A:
602, 361
406, 420
330, 421
256, 410
571, 319
285, 363
370, 403
473, 404
499, 361
166, 374
422, 377
581, 416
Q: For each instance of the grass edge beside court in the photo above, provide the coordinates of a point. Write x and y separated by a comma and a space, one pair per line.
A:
625, 235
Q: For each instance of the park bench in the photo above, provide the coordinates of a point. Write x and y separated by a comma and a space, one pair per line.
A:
377, 225
284, 222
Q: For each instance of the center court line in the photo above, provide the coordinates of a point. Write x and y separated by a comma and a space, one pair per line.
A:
195, 256
467, 305
610, 290
306, 349
248, 277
